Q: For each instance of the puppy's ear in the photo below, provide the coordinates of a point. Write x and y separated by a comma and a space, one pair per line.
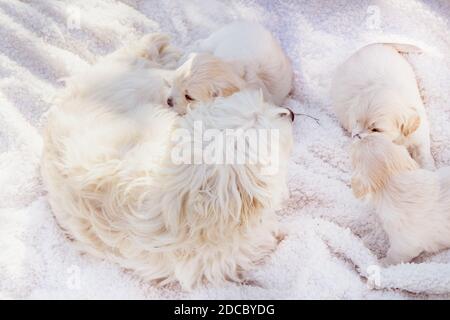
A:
359, 188
224, 91
411, 125
225, 196
229, 90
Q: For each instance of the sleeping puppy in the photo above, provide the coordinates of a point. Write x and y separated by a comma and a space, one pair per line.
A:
238, 56
412, 203
375, 91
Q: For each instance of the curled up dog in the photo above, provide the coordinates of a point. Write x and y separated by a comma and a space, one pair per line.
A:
116, 191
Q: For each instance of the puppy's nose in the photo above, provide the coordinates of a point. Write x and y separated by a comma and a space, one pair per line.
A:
170, 102
291, 114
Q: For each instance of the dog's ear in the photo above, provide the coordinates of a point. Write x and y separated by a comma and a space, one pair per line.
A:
229, 90
225, 88
225, 198
252, 198
230, 83
370, 177
359, 188
369, 169
411, 125
375, 160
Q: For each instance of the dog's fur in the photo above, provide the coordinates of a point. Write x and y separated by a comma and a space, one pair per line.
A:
375, 90
238, 56
114, 189
412, 203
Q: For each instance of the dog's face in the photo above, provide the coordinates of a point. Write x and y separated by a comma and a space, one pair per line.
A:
202, 78
375, 159
387, 118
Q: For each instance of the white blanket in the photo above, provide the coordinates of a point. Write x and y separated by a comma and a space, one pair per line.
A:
333, 240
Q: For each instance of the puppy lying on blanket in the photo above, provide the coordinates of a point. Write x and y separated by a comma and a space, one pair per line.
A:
375, 91
412, 203
113, 184
238, 56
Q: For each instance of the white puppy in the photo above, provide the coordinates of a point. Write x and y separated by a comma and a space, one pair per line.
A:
375, 90
240, 55
114, 187
412, 203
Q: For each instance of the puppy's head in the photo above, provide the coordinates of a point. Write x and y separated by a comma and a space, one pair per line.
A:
388, 116
200, 79
375, 159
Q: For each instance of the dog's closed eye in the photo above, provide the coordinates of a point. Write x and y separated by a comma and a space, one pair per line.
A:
188, 97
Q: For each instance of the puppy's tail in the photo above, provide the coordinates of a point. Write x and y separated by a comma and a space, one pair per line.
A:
404, 47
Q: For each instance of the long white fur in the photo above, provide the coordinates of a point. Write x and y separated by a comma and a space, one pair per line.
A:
376, 88
239, 56
412, 203
113, 186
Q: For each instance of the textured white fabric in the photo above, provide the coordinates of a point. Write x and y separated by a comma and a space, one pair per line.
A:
333, 239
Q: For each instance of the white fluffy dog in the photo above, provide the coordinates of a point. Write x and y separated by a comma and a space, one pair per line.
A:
238, 56
113, 186
412, 203
375, 91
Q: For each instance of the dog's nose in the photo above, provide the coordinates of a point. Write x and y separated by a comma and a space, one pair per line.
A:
292, 114
170, 102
